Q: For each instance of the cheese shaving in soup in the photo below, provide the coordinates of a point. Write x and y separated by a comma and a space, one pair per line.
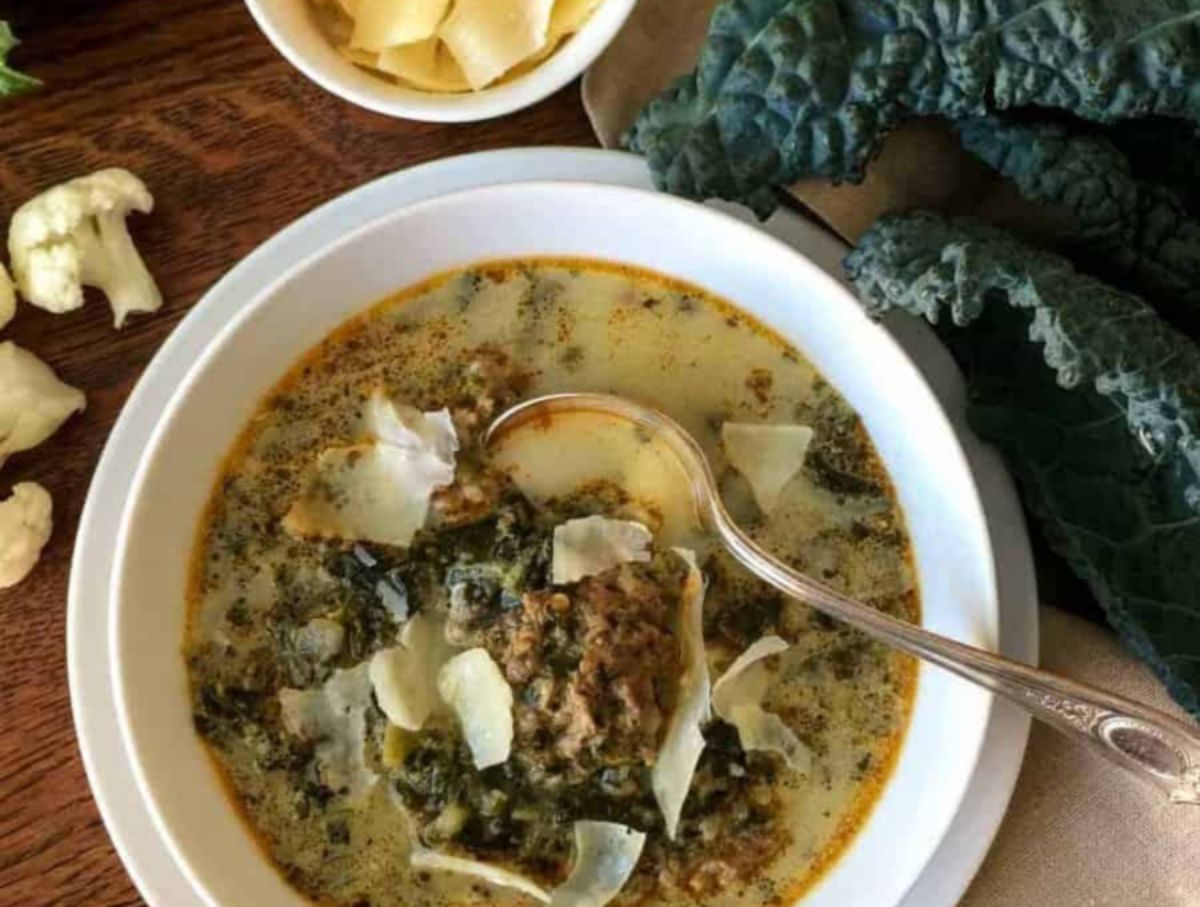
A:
435, 673
380, 24
472, 685
605, 856
405, 677
737, 698
378, 491
333, 718
768, 456
594, 544
365, 492
684, 742
423, 858
428, 437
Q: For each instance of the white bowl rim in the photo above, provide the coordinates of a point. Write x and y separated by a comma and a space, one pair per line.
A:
371, 92
979, 720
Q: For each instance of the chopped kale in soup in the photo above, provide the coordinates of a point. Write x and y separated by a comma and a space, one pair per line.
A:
401, 650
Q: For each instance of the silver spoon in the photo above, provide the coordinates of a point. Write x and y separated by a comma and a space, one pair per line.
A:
1143, 740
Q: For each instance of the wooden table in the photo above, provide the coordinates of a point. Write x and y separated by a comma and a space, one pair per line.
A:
234, 144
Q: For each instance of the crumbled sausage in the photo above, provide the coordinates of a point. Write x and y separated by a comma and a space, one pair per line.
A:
593, 665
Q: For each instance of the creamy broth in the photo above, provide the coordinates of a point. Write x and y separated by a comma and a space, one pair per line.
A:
259, 594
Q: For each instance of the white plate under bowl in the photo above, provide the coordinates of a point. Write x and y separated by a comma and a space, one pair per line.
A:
127, 814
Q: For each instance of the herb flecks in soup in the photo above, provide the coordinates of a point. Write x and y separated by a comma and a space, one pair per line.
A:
434, 677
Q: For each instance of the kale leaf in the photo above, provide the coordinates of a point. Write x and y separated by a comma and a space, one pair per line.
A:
1165, 151
11, 81
1107, 456
793, 88
1132, 232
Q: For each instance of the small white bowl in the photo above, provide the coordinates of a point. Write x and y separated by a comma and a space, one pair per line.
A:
316, 293
292, 27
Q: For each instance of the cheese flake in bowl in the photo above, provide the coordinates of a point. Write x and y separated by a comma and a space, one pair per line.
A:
451, 46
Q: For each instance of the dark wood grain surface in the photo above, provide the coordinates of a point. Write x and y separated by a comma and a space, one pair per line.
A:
235, 144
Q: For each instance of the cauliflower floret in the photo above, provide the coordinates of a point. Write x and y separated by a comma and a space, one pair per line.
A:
75, 234
25, 523
8, 298
33, 402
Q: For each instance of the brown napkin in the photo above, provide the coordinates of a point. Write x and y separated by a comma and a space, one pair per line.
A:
1079, 830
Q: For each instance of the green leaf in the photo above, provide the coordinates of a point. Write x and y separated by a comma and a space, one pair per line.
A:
1097, 418
792, 88
1136, 233
1165, 151
11, 81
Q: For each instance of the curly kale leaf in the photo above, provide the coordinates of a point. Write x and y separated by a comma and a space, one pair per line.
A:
1163, 151
11, 81
1106, 455
1135, 233
793, 88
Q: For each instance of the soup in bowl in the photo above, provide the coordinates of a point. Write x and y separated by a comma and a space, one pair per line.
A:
418, 672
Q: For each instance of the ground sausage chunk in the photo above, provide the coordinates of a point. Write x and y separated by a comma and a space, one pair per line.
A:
485, 387
594, 665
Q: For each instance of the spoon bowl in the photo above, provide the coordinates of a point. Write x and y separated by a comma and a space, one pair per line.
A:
1144, 741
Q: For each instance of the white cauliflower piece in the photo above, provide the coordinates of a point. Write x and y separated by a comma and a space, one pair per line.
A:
25, 523
8, 298
75, 234
33, 402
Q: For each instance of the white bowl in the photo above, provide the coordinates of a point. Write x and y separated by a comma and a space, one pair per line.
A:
762, 275
292, 28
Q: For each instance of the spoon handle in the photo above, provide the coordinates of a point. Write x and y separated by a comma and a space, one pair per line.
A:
1143, 740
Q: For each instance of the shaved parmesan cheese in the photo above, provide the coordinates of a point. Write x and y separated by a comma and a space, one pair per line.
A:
334, 718
379, 491
489, 37
768, 456
594, 544
737, 698
453, 46
427, 65
683, 743
568, 16
364, 58
426, 435
405, 677
472, 685
605, 856
379, 24
423, 858
367, 492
